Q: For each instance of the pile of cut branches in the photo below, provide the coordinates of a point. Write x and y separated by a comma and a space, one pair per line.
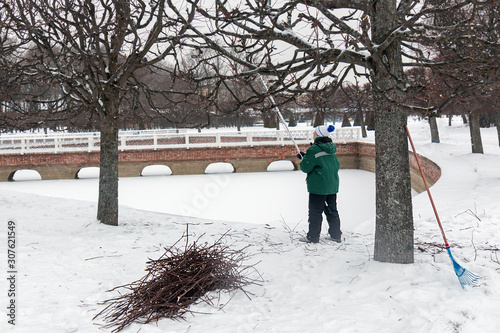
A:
181, 277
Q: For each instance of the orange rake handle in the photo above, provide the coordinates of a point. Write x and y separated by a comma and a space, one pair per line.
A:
427, 188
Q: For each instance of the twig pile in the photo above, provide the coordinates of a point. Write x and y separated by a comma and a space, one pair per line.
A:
180, 278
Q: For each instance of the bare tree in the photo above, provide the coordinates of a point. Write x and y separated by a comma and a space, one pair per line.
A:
357, 99
466, 68
13, 115
322, 105
326, 41
429, 94
93, 50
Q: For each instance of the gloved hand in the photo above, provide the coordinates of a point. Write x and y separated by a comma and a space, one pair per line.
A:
300, 155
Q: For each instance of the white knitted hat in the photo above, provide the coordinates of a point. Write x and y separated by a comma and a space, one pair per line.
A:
324, 130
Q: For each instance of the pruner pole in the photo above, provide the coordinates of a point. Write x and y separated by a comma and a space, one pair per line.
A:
275, 107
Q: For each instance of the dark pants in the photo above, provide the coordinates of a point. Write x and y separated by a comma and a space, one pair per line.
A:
319, 204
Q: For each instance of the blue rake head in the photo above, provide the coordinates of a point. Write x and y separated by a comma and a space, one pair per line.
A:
465, 277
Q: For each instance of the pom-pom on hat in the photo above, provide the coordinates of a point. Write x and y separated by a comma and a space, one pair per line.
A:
324, 130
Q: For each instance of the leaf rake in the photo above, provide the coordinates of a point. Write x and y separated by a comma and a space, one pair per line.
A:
465, 277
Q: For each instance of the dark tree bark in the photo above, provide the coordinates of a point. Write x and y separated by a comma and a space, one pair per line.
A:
319, 118
498, 122
475, 133
364, 134
359, 121
358, 118
269, 118
370, 121
394, 215
292, 122
107, 206
345, 121
434, 129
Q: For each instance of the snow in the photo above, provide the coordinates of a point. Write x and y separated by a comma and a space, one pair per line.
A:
26, 174
219, 167
67, 260
87, 172
283, 165
156, 170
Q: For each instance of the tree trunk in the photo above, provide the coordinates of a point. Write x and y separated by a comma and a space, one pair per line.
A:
269, 119
464, 119
362, 123
292, 122
319, 118
394, 215
370, 121
475, 133
434, 129
358, 118
497, 122
107, 207
238, 121
345, 121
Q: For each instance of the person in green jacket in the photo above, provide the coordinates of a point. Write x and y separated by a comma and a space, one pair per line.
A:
322, 168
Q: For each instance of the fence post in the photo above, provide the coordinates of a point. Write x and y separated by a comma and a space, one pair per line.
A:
123, 142
23, 146
250, 138
56, 145
90, 144
281, 137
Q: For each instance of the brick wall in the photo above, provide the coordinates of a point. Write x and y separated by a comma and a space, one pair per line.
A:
354, 155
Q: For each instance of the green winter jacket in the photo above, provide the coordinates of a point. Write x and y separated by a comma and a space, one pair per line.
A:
322, 167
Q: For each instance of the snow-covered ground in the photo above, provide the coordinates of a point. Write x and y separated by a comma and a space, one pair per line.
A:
66, 260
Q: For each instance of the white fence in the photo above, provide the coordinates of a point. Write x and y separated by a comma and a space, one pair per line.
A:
162, 139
